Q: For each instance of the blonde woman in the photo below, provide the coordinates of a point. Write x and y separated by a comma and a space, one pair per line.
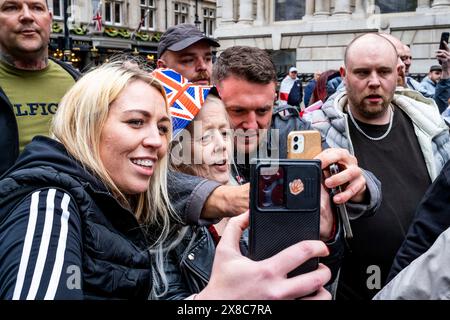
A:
79, 212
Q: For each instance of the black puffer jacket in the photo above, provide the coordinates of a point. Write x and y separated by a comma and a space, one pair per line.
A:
9, 137
63, 235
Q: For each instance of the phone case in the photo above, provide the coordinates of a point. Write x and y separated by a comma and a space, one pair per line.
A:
304, 144
288, 216
444, 37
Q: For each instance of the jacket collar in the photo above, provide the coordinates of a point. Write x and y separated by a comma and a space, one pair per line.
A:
422, 111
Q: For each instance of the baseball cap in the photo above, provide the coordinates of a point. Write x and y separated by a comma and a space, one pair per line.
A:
185, 99
293, 69
435, 68
180, 37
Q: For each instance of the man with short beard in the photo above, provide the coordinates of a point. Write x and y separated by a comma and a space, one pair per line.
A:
31, 83
245, 78
403, 141
185, 49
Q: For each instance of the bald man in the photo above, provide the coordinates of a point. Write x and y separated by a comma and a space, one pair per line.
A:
404, 142
402, 63
406, 57
442, 90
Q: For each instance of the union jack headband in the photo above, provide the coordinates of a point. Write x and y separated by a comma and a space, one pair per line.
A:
185, 98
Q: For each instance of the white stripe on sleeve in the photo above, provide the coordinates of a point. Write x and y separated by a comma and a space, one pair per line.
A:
60, 251
43, 248
27, 245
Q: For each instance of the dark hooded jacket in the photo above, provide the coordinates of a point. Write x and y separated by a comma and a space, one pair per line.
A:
64, 236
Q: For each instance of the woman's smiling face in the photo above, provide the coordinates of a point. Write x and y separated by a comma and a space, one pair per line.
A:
134, 136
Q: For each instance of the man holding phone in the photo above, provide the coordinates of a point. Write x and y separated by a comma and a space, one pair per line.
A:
442, 90
245, 78
442, 93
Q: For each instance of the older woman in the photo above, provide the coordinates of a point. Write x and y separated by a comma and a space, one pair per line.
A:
201, 147
78, 213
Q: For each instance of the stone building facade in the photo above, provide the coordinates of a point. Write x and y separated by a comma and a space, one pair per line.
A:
93, 43
313, 34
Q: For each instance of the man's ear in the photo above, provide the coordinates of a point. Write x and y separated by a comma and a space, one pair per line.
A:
343, 72
51, 19
161, 64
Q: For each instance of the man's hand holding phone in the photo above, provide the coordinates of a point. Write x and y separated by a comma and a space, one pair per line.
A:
443, 55
306, 145
326, 216
350, 175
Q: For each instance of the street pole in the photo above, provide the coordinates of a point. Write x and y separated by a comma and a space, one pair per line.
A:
196, 22
66, 55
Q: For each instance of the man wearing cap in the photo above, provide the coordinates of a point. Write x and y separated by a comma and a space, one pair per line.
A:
187, 50
291, 90
428, 85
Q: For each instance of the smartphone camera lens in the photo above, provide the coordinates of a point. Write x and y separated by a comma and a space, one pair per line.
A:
295, 146
295, 139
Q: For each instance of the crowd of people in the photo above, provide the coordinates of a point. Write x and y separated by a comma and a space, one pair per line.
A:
129, 183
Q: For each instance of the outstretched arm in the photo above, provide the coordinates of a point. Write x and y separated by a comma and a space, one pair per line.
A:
201, 201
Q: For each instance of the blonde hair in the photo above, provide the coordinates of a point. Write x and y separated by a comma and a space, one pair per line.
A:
78, 124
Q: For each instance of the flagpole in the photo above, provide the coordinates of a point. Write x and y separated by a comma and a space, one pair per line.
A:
133, 35
66, 55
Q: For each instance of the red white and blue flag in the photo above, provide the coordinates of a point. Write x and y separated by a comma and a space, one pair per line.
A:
97, 18
185, 98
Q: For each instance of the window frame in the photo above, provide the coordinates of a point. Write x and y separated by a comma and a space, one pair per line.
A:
112, 12
209, 20
151, 17
180, 10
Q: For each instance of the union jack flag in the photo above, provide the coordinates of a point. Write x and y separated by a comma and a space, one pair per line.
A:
185, 98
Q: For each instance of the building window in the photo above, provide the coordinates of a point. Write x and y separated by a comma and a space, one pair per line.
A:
148, 15
289, 9
390, 6
113, 12
181, 12
209, 19
58, 8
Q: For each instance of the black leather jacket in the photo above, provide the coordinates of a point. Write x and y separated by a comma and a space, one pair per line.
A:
9, 137
190, 263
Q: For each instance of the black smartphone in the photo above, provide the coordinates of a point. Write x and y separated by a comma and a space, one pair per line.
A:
284, 207
342, 209
444, 37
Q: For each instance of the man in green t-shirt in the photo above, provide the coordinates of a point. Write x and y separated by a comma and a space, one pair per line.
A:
31, 85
